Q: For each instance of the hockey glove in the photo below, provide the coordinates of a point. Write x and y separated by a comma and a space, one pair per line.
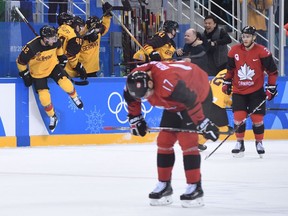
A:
154, 56
27, 78
208, 129
227, 87
271, 91
138, 125
62, 60
107, 7
81, 71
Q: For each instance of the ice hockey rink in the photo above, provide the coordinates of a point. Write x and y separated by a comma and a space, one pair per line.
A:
108, 180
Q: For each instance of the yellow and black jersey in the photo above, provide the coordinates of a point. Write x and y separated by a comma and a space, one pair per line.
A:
161, 43
40, 59
71, 43
219, 98
90, 50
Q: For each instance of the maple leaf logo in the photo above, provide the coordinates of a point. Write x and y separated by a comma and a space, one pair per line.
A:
245, 72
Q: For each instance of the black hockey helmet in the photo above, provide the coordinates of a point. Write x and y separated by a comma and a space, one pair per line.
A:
249, 30
78, 21
170, 25
93, 22
64, 18
47, 31
137, 83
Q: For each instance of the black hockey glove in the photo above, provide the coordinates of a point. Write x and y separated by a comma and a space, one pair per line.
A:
154, 56
27, 78
138, 125
91, 36
209, 129
81, 71
227, 87
271, 91
62, 60
107, 7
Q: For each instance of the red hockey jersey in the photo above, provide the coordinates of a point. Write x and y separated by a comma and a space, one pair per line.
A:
247, 68
165, 77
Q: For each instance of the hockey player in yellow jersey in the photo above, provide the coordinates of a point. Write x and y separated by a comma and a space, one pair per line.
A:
161, 46
90, 51
38, 61
220, 102
69, 32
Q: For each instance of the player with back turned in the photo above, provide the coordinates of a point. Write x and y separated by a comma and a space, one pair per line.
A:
161, 46
38, 61
90, 50
183, 90
248, 62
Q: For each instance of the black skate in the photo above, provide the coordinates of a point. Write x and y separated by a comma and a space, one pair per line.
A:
260, 149
53, 122
239, 149
202, 147
193, 197
161, 195
77, 101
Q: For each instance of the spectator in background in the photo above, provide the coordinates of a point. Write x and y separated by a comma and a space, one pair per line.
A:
258, 20
215, 40
53, 5
193, 50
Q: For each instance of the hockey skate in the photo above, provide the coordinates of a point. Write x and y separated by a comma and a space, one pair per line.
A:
53, 123
193, 197
239, 149
202, 147
77, 101
161, 195
260, 149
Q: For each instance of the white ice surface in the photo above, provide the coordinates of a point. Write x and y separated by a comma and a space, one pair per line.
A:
116, 179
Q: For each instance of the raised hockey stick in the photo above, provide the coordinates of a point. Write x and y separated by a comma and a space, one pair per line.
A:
159, 129
237, 127
81, 83
126, 30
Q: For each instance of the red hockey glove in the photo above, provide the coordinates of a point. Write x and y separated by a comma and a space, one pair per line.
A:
271, 91
227, 87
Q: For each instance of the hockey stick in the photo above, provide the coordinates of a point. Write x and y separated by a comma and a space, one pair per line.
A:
81, 83
159, 129
26, 21
167, 59
268, 109
237, 127
127, 30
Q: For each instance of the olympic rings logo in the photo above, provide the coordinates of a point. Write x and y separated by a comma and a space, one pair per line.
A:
119, 105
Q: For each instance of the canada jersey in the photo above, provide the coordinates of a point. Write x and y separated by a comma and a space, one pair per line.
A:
40, 59
161, 43
165, 78
220, 99
247, 68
